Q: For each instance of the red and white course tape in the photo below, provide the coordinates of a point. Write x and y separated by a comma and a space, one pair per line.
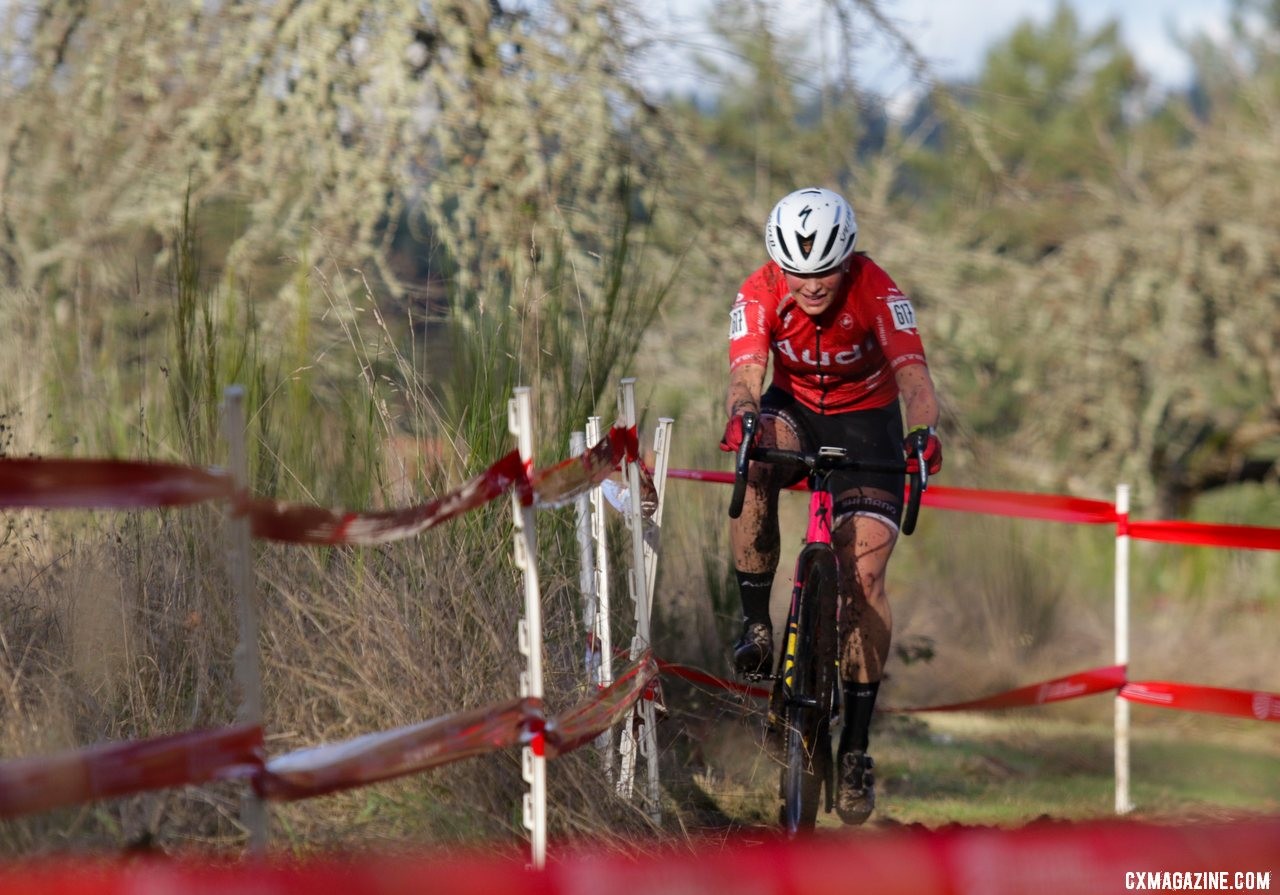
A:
585, 721
31, 785
43, 783
126, 484
1062, 508
394, 753
1256, 704
39, 784
1205, 534
300, 523
107, 484
698, 676
1059, 689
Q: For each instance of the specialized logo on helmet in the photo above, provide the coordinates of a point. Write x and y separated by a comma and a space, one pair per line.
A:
810, 231
806, 242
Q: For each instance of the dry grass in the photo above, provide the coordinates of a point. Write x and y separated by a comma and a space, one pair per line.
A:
128, 633
117, 626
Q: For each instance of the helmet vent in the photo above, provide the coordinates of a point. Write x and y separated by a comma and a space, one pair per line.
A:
831, 241
782, 244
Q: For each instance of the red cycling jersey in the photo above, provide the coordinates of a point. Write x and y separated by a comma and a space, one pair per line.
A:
843, 359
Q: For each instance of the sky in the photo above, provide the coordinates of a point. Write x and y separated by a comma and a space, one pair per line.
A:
955, 34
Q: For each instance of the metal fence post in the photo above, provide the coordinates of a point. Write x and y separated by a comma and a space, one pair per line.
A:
533, 760
248, 666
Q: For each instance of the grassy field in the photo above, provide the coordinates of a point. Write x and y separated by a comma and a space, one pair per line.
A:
1002, 769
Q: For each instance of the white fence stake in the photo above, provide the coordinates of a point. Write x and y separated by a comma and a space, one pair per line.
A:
533, 760
248, 667
586, 570
635, 521
602, 631
661, 460
1123, 803
649, 745
627, 744
637, 579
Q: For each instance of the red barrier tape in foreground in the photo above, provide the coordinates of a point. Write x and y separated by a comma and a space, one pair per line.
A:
1258, 705
29, 785
1058, 858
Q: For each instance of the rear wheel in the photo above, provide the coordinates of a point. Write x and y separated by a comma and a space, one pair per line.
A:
808, 689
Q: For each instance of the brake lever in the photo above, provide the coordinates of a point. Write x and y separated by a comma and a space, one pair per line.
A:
741, 465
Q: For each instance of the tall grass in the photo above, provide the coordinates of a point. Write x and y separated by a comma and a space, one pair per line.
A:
120, 625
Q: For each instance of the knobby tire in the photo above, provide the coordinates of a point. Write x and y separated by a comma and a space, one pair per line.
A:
808, 704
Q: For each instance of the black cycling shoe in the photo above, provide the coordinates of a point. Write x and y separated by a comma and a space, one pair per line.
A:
855, 788
753, 653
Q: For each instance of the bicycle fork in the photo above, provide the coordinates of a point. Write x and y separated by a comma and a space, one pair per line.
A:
793, 700
818, 531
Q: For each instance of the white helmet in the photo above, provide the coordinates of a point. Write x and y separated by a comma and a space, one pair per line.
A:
810, 230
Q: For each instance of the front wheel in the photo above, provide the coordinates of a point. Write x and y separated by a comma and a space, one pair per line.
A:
808, 682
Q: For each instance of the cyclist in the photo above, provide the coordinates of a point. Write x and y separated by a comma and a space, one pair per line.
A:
845, 349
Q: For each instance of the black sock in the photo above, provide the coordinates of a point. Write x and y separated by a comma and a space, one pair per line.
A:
754, 588
859, 702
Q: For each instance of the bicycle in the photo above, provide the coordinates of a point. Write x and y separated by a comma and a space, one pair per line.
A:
806, 696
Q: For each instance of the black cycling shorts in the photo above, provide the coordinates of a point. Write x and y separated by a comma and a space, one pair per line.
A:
874, 434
